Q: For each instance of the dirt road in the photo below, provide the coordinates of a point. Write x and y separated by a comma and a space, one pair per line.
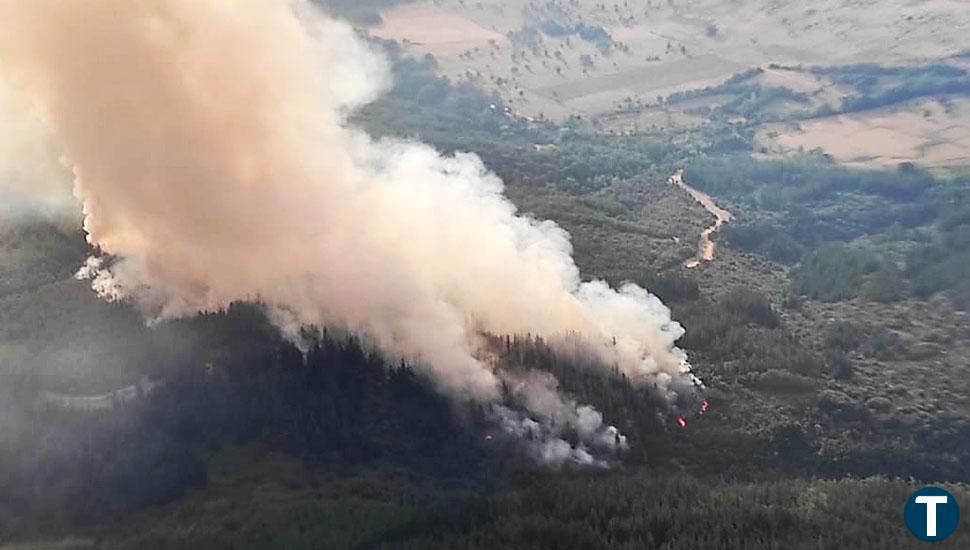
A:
705, 246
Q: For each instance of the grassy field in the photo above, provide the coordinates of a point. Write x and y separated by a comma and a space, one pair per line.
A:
522, 52
930, 132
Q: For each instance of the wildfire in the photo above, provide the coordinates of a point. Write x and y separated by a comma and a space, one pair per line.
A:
682, 421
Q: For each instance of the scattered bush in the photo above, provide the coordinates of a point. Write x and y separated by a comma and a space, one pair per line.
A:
832, 273
779, 381
750, 305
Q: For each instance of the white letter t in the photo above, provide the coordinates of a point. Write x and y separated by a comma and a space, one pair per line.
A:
931, 503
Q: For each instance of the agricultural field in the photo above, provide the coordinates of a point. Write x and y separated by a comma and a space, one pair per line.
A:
929, 132
590, 59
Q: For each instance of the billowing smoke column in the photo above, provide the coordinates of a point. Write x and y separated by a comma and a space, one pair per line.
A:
32, 180
209, 148
537, 393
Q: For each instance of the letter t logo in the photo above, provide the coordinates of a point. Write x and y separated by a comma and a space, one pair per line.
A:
931, 502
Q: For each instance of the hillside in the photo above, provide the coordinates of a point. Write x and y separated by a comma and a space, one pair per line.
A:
828, 323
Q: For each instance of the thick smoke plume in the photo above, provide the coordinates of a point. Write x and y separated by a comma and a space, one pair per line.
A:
210, 151
545, 417
32, 179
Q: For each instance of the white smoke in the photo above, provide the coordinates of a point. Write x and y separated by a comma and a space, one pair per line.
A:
210, 151
33, 180
546, 417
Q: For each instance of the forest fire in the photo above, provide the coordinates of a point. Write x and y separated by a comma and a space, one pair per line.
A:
682, 420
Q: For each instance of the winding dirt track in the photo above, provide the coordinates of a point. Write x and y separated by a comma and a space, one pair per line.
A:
705, 246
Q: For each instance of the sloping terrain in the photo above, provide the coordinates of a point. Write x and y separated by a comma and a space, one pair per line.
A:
589, 58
